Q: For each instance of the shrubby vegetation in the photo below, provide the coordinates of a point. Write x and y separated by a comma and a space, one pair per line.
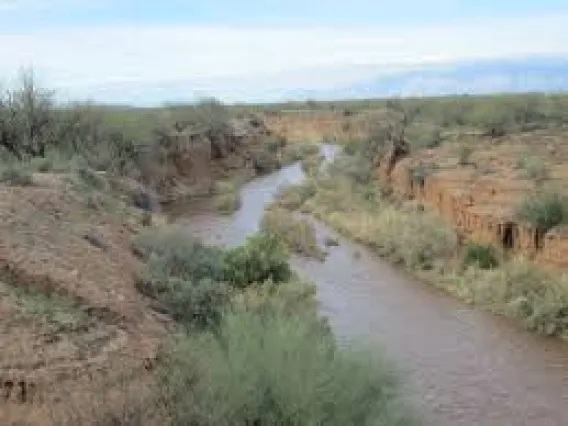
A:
356, 205
251, 349
493, 115
39, 135
544, 210
482, 256
297, 233
256, 351
275, 368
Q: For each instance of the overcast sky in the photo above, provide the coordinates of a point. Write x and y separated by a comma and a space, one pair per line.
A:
169, 50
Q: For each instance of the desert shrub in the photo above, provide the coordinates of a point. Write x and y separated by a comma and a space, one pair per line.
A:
294, 298
262, 258
16, 174
311, 165
482, 256
197, 304
464, 154
291, 197
298, 234
276, 369
417, 239
296, 151
424, 136
265, 161
404, 235
331, 241
520, 289
543, 211
228, 202
534, 168
89, 178
173, 253
184, 275
358, 168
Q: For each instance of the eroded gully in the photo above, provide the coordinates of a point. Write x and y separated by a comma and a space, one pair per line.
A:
461, 365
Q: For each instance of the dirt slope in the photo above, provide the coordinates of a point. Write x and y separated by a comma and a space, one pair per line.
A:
69, 309
479, 192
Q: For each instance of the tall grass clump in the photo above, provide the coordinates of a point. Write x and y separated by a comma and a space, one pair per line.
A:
296, 151
311, 165
293, 197
519, 289
227, 198
414, 238
277, 369
297, 233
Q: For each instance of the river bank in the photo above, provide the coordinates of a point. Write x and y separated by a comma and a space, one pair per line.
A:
463, 366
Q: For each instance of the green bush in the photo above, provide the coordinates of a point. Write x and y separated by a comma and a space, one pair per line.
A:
292, 197
543, 211
482, 256
16, 174
228, 203
172, 252
424, 136
519, 289
277, 369
262, 258
534, 168
184, 275
311, 165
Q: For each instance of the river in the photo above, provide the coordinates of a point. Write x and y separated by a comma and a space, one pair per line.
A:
461, 365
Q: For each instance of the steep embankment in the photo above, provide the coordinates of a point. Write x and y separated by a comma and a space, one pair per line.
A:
74, 326
71, 315
476, 183
479, 186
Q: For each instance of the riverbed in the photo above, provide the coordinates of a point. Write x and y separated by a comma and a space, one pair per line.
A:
461, 365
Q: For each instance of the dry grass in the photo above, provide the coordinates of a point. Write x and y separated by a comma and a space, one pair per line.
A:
298, 234
227, 198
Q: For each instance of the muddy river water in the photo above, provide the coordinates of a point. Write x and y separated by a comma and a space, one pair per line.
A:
462, 366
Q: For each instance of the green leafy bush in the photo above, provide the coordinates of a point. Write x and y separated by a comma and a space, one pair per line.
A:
482, 256
534, 168
228, 203
263, 258
543, 211
292, 197
272, 368
15, 174
172, 252
184, 275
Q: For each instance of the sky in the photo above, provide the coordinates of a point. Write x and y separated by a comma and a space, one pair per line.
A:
142, 51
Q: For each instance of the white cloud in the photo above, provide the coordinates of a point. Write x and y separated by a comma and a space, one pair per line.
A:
94, 58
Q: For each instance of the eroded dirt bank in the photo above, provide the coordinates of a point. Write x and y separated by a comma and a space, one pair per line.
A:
464, 367
475, 181
73, 325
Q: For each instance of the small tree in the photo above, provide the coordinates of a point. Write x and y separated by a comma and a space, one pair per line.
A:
27, 119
